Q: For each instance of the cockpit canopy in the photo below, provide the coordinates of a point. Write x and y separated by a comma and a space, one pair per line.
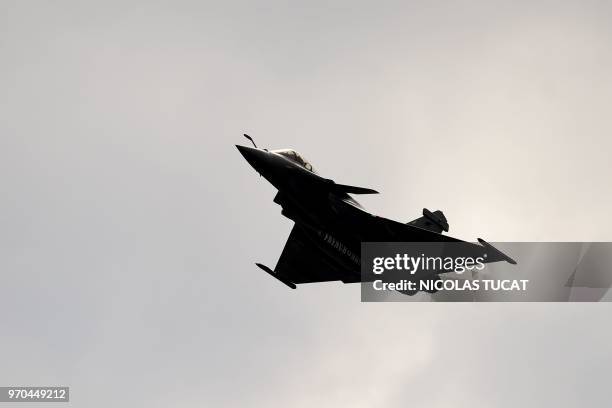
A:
295, 157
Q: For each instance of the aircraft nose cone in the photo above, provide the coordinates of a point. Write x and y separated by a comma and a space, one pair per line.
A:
255, 157
244, 151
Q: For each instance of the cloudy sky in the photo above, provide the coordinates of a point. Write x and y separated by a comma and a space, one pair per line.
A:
129, 223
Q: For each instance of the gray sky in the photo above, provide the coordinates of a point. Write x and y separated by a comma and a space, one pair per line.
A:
129, 223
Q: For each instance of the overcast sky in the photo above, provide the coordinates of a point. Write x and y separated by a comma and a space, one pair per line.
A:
129, 223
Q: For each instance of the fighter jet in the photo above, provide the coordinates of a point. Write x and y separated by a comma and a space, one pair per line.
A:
330, 225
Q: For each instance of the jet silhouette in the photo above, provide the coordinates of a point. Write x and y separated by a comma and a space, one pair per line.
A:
330, 225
